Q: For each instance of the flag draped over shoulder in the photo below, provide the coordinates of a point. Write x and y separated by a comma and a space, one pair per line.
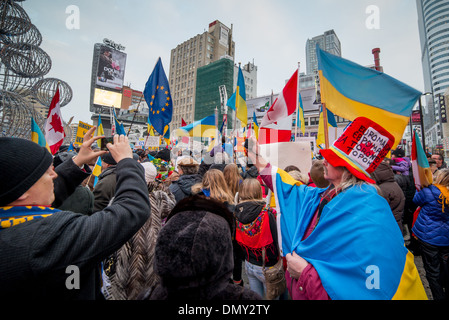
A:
350, 91
37, 135
158, 97
420, 165
237, 101
54, 128
345, 246
285, 104
201, 128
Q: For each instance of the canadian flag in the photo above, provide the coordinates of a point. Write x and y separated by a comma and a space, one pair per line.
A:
286, 103
276, 125
54, 128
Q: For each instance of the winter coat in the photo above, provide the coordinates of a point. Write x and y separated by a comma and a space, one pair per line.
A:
391, 191
39, 252
80, 201
194, 254
182, 187
132, 265
402, 166
105, 189
250, 214
432, 223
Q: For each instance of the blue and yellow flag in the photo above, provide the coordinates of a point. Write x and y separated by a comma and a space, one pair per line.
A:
96, 171
357, 241
37, 135
320, 139
100, 130
300, 122
119, 129
350, 91
256, 126
201, 128
238, 100
158, 97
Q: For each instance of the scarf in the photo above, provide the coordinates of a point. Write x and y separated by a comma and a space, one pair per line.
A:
444, 196
256, 235
12, 216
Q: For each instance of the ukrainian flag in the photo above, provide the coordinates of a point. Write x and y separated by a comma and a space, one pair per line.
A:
238, 100
350, 91
320, 139
37, 135
256, 126
201, 128
300, 122
100, 130
356, 248
96, 171
119, 129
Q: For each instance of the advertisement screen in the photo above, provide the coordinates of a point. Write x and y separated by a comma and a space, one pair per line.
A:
111, 68
107, 98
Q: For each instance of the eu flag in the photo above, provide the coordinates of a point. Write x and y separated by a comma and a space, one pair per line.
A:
158, 97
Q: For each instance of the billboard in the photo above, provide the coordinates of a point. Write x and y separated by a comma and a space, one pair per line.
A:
107, 98
111, 68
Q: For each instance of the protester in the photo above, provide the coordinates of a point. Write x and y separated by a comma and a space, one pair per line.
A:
299, 176
104, 190
333, 238
390, 190
132, 268
53, 255
317, 174
402, 163
432, 230
232, 177
439, 158
255, 231
194, 254
188, 176
433, 167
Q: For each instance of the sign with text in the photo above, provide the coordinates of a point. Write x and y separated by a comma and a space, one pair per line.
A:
80, 132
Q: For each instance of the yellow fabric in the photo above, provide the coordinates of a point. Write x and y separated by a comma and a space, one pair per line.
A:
410, 286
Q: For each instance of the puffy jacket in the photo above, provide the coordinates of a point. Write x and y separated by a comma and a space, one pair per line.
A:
432, 224
182, 188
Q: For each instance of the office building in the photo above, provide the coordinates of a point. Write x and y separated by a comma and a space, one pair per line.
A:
328, 42
433, 24
186, 58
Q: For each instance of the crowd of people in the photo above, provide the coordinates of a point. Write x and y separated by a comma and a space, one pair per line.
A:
171, 224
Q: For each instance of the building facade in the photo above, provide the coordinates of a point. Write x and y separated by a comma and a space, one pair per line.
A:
433, 24
249, 72
186, 58
328, 41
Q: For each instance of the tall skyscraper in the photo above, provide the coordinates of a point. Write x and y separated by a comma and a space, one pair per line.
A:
433, 23
186, 58
328, 42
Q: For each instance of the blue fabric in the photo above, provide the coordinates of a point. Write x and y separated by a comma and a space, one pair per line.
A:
157, 96
344, 75
356, 230
432, 224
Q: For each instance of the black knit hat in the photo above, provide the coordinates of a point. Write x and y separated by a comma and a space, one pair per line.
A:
107, 158
22, 164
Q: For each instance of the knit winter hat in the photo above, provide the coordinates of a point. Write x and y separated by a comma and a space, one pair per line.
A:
107, 158
361, 148
150, 171
22, 164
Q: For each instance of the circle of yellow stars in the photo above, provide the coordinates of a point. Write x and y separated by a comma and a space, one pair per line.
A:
167, 104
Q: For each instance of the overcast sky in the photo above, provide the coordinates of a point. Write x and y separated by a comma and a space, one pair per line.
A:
273, 33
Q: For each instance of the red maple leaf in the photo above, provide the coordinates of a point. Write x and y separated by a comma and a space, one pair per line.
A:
56, 123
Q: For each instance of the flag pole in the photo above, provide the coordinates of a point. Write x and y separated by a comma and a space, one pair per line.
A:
297, 105
326, 127
134, 117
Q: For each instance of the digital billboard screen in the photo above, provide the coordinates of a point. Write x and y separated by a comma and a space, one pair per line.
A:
107, 98
111, 68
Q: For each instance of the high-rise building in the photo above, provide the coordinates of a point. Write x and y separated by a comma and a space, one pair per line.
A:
186, 58
249, 72
328, 42
433, 24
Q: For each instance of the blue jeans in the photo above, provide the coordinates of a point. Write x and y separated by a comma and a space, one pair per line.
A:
256, 278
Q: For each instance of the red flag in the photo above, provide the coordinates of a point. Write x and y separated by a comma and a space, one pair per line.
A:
286, 103
183, 123
54, 128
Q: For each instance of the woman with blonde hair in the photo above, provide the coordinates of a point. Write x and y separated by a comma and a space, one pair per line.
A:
432, 230
256, 233
232, 177
214, 186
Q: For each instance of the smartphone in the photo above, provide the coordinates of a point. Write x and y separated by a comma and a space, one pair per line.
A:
105, 141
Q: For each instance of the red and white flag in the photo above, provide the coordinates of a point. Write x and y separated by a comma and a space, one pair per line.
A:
280, 131
286, 103
54, 128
